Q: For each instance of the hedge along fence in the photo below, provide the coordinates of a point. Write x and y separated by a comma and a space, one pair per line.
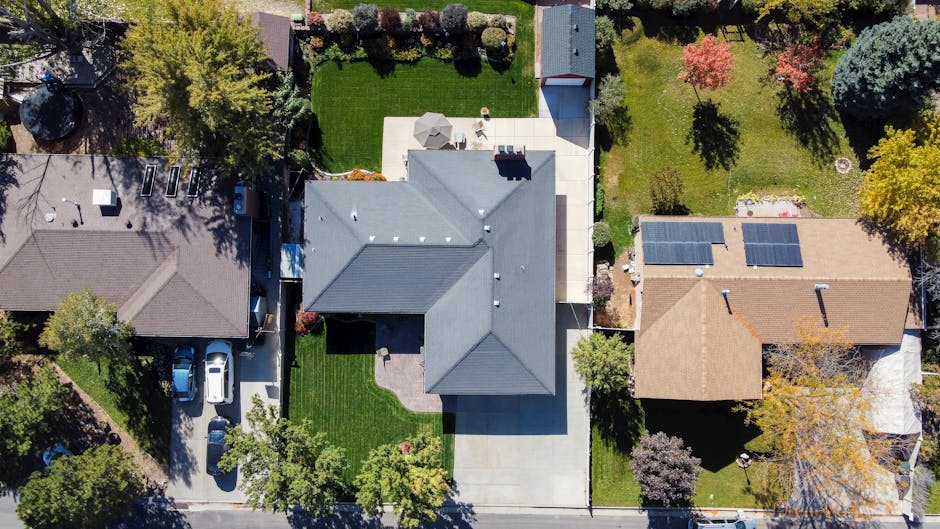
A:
368, 32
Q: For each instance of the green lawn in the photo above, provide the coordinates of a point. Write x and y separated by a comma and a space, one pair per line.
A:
771, 145
336, 390
130, 394
715, 434
351, 99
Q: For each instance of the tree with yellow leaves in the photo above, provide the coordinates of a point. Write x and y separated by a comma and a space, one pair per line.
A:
902, 187
816, 416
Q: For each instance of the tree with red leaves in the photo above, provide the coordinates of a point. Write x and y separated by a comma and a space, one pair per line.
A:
797, 65
708, 65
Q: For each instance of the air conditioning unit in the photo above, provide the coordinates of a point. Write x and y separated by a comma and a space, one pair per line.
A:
104, 197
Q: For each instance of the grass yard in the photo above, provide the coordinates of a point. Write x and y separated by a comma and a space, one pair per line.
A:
750, 140
715, 434
336, 390
131, 395
351, 99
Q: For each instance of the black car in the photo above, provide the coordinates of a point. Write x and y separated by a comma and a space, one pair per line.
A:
215, 444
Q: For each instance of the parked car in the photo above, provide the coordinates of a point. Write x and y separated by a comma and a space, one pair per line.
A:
184, 373
220, 373
741, 522
215, 444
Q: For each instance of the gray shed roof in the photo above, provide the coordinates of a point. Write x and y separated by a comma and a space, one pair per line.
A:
568, 41
174, 266
443, 263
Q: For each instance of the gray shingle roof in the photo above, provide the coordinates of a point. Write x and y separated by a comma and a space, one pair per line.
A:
568, 41
174, 266
472, 346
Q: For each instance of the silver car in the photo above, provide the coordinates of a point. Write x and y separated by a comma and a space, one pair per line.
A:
220, 373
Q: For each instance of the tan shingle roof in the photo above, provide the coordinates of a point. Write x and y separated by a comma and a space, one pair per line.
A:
690, 347
180, 269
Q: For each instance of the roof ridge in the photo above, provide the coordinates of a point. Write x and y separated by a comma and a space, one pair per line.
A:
18, 250
352, 259
459, 360
523, 364
162, 274
703, 314
472, 349
516, 189
219, 312
423, 194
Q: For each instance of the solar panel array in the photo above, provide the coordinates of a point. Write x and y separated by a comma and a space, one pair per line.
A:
771, 244
680, 243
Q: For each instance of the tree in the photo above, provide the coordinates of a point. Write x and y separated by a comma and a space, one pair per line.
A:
283, 464
902, 187
341, 21
454, 18
814, 13
493, 39
603, 362
797, 66
10, 344
601, 234
366, 17
59, 23
289, 107
194, 65
86, 325
892, 67
610, 96
708, 65
410, 475
666, 188
602, 288
605, 33
85, 491
390, 19
814, 414
430, 21
614, 6
665, 469
28, 415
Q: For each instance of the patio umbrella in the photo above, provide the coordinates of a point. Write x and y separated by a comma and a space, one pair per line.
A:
433, 130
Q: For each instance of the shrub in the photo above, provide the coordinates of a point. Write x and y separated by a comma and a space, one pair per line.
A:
499, 21
454, 18
605, 34
610, 96
317, 42
601, 234
358, 175
602, 288
390, 19
493, 39
366, 17
797, 65
341, 21
477, 21
603, 362
127, 147
409, 20
314, 19
430, 21
614, 6
5, 134
665, 469
666, 189
684, 8
599, 195
307, 322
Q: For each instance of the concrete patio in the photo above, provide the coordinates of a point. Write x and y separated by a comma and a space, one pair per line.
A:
402, 370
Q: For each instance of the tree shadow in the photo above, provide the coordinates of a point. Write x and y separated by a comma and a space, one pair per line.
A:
714, 136
469, 68
619, 418
9, 168
152, 517
615, 130
808, 116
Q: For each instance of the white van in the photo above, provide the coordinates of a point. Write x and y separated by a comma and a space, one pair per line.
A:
703, 522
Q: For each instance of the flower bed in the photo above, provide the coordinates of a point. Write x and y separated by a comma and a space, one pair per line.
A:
387, 34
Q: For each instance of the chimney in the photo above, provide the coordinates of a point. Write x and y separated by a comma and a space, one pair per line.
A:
818, 287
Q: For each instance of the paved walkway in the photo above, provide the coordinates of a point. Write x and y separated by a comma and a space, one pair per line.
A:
403, 375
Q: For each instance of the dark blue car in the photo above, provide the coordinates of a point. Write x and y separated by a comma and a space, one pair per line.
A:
215, 445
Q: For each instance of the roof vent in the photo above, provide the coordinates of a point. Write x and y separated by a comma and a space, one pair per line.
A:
103, 197
575, 51
495, 275
699, 272
395, 238
421, 238
50, 217
481, 212
354, 215
371, 238
725, 292
576, 27
818, 287
446, 239
495, 302
486, 227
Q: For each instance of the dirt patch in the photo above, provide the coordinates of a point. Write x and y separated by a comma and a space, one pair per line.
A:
284, 8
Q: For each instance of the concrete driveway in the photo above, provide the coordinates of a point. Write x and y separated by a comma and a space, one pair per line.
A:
527, 450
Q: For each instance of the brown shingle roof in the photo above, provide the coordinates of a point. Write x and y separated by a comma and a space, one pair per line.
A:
690, 347
276, 34
180, 269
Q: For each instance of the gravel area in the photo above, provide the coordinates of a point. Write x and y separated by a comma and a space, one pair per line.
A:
275, 7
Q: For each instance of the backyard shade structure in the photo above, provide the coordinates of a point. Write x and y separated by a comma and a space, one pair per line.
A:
50, 112
433, 130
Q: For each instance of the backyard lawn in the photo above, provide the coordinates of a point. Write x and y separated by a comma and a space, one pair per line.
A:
335, 388
715, 434
351, 99
131, 395
749, 140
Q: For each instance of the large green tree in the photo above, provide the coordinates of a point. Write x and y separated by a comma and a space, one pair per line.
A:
410, 475
603, 362
194, 64
28, 415
892, 67
10, 329
58, 23
81, 492
283, 464
87, 325
902, 186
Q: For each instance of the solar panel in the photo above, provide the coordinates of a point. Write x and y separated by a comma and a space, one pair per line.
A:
770, 233
710, 232
146, 187
677, 253
767, 254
